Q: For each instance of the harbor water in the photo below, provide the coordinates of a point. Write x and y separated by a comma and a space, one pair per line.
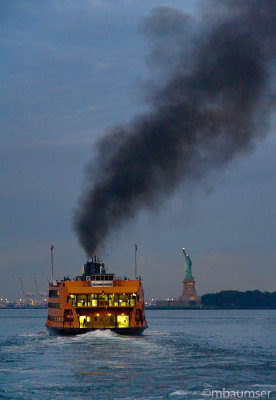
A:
184, 354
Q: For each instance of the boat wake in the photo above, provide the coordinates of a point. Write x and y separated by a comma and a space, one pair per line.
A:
183, 393
99, 333
89, 337
34, 334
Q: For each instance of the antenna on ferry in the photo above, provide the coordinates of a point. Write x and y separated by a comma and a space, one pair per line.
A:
52, 263
135, 272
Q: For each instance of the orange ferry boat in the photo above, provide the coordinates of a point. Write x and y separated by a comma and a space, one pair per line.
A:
96, 300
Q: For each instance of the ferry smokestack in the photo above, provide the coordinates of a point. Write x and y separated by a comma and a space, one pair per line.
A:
209, 102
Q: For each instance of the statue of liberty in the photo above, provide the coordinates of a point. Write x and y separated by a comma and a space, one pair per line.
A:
188, 265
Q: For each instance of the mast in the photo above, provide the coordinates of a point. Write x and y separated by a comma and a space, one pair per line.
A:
135, 271
52, 263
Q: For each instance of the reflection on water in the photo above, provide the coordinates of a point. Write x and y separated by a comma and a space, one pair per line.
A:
182, 353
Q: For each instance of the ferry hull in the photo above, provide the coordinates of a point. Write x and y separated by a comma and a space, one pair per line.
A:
55, 331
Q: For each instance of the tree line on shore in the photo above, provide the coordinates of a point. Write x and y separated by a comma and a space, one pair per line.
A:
236, 299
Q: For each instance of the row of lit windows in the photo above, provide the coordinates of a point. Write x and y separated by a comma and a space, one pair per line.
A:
55, 319
107, 321
54, 293
95, 300
54, 305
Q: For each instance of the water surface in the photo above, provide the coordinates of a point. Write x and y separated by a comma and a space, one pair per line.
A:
182, 353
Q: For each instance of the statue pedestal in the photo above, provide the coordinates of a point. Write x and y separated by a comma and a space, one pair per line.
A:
189, 297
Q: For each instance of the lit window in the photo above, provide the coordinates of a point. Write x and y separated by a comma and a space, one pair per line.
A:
122, 321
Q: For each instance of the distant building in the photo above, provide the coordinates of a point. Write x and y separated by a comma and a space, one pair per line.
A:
189, 297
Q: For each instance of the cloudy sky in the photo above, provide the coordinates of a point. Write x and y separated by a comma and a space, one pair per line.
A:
69, 71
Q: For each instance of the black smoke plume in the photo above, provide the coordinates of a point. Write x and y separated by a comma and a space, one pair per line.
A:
208, 102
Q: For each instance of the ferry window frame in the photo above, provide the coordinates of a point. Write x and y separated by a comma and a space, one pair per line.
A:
92, 300
73, 298
132, 299
124, 300
55, 318
113, 300
103, 299
82, 300
123, 321
53, 293
54, 305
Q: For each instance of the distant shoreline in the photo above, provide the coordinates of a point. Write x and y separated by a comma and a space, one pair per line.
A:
23, 308
208, 308
161, 308
223, 300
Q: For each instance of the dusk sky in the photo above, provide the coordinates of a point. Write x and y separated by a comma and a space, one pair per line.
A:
71, 70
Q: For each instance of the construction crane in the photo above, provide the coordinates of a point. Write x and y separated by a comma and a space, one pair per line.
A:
39, 296
27, 297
